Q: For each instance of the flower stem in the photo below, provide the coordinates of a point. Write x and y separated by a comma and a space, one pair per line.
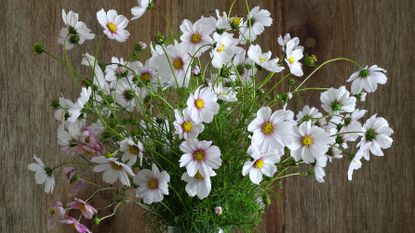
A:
321, 66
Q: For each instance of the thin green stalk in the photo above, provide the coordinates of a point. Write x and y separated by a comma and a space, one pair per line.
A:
96, 191
312, 89
322, 65
231, 8
276, 85
113, 213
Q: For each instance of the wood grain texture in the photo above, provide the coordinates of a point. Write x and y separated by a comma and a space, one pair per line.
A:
29, 82
380, 199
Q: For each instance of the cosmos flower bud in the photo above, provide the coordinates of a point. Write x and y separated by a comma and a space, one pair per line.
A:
159, 38
55, 104
310, 60
108, 155
38, 48
266, 199
196, 70
218, 210
96, 221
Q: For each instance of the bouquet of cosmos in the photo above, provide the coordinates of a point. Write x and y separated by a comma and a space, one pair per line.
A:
197, 129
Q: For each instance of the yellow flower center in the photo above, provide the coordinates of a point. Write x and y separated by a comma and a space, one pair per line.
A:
145, 77
267, 128
116, 166
178, 63
259, 164
199, 155
220, 48
112, 27
133, 150
199, 103
198, 176
307, 140
261, 59
187, 126
236, 21
153, 183
291, 60
196, 38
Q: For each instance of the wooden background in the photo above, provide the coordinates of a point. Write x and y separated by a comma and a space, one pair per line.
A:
381, 197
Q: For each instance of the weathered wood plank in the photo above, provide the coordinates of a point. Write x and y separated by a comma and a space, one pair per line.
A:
380, 199
381, 196
29, 82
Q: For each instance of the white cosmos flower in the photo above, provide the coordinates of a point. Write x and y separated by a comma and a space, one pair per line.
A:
202, 105
264, 59
146, 74
377, 136
334, 153
43, 174
310, 142
355, 164
200, 156
99, 79
113, 170
68, 135
138, 11
184, 125
173, 67
196, 37
287, 37
152, 184
319, 173
114, 25
337, 100
258, 19
271, 130
222, 22
198, 185
352, 128
62, 113
263, 163
128, 95
244, 69
75, 32
293, 56
226, 94
367, 79
308, 114
225, 49
117, 70
76, 109
131, 151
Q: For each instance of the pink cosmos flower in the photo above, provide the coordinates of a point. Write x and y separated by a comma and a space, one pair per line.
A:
87, 210
56, 213
73, 179
76, 224
88, 143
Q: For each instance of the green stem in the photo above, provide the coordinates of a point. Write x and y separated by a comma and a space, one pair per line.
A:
312, 89
113, 213
96, 191
322, 65
54, 57
143, 206
277, 84
350, 132
231, 8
